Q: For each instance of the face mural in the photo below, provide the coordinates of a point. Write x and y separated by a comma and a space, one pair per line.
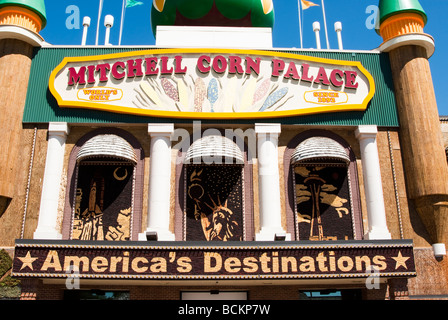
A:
214, 207
103, 204
323, 202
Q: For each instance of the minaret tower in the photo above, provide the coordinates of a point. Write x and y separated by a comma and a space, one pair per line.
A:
401, 27
20, 24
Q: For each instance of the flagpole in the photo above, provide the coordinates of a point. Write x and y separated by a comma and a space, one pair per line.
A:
123, 11
300, 24
325, 24
100, 9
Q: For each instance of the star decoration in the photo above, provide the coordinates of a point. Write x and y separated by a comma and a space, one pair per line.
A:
400, 261
27, 261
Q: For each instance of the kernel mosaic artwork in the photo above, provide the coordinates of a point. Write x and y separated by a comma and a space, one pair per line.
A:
323, 203
103, 204
214, 206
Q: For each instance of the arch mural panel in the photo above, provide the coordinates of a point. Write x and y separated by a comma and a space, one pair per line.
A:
104, 198
322, 192
103, 205
323, 202
214, 206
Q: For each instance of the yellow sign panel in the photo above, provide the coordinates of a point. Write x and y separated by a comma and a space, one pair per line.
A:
211, 84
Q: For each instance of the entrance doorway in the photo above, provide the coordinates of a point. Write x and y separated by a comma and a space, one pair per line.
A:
213, 295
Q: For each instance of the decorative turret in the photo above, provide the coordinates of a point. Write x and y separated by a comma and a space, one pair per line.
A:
401, 26
20, 24
29, 14
401, 17
394, 8
227, 13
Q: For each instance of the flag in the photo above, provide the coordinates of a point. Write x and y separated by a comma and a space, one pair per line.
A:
306, 4
133, 3
126, 4
303, 5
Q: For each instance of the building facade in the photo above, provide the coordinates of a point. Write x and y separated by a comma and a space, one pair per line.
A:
237, 171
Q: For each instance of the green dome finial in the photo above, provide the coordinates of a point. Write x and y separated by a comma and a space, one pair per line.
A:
37, 6
390, 8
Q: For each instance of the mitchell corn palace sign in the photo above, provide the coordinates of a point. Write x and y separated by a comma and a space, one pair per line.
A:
211, 83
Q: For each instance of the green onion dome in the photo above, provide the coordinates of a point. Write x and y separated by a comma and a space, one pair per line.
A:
37, 6
230, 13
389, 8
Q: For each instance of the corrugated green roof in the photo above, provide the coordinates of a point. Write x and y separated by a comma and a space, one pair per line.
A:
41, 106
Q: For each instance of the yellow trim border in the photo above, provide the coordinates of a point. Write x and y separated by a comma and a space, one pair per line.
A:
211, 115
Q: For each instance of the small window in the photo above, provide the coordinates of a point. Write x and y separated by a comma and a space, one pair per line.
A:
330, 295
96, 295
213, 295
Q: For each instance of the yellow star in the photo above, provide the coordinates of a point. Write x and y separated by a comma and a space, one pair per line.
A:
401, 261
27, 261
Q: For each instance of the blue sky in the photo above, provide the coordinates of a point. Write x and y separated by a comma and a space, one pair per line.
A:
64, 27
